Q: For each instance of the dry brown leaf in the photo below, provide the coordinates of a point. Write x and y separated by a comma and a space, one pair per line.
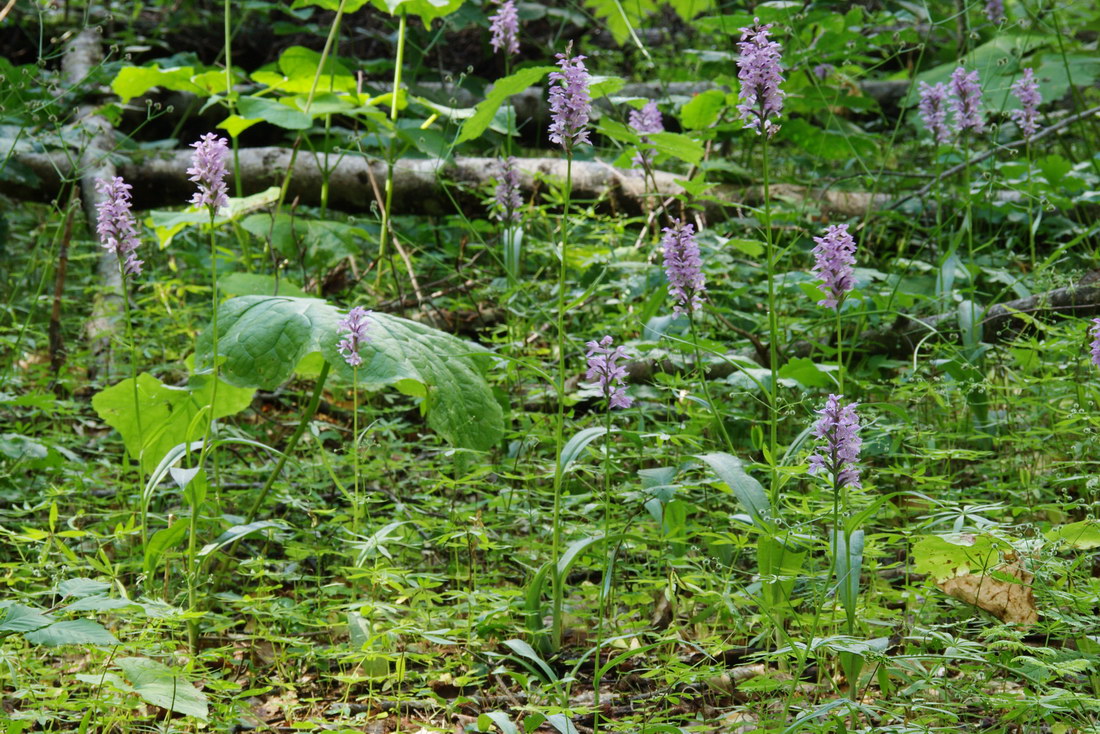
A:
1009, 602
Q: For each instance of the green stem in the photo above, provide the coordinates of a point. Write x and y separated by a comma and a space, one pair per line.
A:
700, 369
839, 348
137, 403
773, 339
303, 422
357, 500
609, 569
559, 425
391, 153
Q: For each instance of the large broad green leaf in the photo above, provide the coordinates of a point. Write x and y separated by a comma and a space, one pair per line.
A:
426, 10
262, 339
134, 81
166, 413
158, 685
502, 90
747, 490
19, 618
71, 632
277, 113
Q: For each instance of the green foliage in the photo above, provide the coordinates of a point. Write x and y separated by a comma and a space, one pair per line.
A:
263, 339
156, 684
483, 115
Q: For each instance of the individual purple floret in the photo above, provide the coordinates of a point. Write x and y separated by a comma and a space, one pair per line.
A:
995, 11
760, 75
838, 455
570, 103
208, 170
115, 223
835, 253
646, 120
508, 199
933, 110
683, 266
966, 101
822, 71
504, 25
1094, 349
1026, 90
355, 328
603, 368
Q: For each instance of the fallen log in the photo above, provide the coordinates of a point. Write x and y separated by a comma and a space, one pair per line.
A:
422, 186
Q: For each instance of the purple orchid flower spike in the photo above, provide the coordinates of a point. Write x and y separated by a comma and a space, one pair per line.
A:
570, 103
208, 170
115, 223
684, 267
605, 370
354, 327
838, 454
504, 26
835, 253
760, 73
1026, 89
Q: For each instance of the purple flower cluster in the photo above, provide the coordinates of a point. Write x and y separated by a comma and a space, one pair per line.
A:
933, 110
966, 101
208, 170
995, 11
504, 25
683, 266
838, 456
115, 223
646, 120
1094, 348
508, 199
603, 368
570, 103
1026, 90
761, 74
835, 254
355, 326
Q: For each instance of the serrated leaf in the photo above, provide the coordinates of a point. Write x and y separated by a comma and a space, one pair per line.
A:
166, 412
158, 685
81, 587
71, 632
477, 123
264, 338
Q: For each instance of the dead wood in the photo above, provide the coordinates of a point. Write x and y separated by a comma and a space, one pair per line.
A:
423, 186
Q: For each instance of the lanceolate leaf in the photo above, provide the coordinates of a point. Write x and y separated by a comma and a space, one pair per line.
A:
262, 339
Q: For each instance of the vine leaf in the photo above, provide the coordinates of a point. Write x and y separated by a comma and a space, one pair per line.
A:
263, 339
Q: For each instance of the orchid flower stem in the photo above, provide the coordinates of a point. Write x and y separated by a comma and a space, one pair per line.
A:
701, 371
559, 425
773, 338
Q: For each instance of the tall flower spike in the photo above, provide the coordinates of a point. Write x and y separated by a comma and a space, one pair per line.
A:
115, 223
354, 327
995, 11
838, 454
504, 25
966, 101
835, 254
570, 103
604, 369
646, 120
761, 74
933, 111
683, 266
508, 199
1026, 90
208, 170
1094, 348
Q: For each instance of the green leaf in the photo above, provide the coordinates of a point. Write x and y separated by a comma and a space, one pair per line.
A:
81, 587
521, 648
803, 371
19, 618
678, 146
945, 556
702, 110
747, 490
72, 632
264, 338
277, 113
500, 719
299, 62
620, 16
166, 413
237, 532
1084, 535
256, 284
134, 81
831, 144
577, 444
504, 88
158, 685
161, 541
426, 10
